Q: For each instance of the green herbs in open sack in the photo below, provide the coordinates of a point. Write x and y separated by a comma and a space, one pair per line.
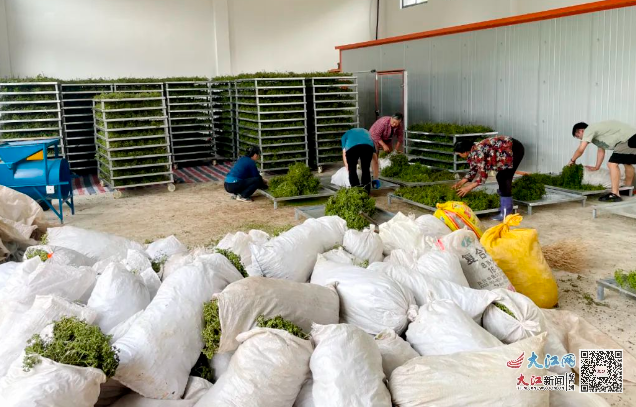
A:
278, 322
625, 280
528, 189
504, 309
75, 343
211, 328
348, 203
41, 253
202, 369
158, 262
235, 259
298, 181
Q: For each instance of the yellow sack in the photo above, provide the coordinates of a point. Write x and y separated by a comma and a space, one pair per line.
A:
457, 215
518, 253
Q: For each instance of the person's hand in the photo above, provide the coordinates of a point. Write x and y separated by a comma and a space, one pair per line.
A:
465, 190
571, 163
386, 148
459, 184
590, 168
376, 184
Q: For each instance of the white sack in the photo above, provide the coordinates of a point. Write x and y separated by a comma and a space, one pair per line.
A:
50, 384
602, 177
347, 368
341, 177
120, 329
424, 289
432, 227
195, 389
242, 302
267, 370
45, 310
576, 399
475, 379
151, 281
165, 248
365, 245
442, 328
305, 397
177, 261
526, 323
383, 163
292, 255
481, 271
368, 299
37, 278
402, 258
341, 256
96, 245
136, 260
7, 270
401, 232
442, 265
118, 295
62, 256
162, 345
395, 351
219, 364
239, 243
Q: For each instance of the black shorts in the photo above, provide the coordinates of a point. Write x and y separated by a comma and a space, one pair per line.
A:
627, 159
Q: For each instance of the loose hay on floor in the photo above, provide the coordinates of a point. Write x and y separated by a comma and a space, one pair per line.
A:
566, 255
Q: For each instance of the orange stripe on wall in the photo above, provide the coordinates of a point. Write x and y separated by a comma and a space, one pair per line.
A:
525, 18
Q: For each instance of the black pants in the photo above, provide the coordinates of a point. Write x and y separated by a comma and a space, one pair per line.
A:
245, 187
504, 177
364, 153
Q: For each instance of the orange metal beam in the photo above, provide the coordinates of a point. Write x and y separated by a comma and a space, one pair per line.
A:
525, 18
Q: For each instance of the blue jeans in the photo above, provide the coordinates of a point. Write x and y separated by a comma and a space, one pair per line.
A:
245, 187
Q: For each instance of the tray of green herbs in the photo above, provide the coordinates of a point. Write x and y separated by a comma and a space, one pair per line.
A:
402, 172
427, 197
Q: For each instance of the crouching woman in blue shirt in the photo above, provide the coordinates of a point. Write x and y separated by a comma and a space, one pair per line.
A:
244, 179
358, 146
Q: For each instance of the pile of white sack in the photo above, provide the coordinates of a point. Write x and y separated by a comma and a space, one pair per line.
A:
404, 315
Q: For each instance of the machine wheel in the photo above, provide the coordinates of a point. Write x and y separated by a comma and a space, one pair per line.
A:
320, 169
117, 194
214, 162
171, 187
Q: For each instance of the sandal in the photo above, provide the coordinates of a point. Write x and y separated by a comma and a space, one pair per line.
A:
610, 198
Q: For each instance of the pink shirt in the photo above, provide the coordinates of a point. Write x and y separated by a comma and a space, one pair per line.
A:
382, 130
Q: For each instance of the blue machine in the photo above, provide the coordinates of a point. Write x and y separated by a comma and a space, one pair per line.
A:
25, 167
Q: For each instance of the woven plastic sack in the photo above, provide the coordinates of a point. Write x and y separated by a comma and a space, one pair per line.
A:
195, 389
508, 329
96, 245
458, 215
395, 351
61, 256
518, 253
365, 245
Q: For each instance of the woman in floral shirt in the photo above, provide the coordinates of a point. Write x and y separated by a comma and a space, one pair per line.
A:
502, 154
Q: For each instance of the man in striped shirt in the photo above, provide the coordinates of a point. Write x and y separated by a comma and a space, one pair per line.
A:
385, 130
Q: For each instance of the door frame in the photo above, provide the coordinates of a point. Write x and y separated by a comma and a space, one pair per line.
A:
405, 106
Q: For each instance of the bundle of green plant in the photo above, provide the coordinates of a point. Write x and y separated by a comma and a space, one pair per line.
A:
528, 189
348, 203
235, 259
37, 78
75, 343
570, 178
26, 98
402, 170
41, 253
625, 280
158, 262
297, 182
449, 128
130, 124
278, 322
137, 143
505, 309
39, 106
18, 135
127, 95
434, 156
29, 125
45, 238
30, 116
211, 328
433, 194
141, 153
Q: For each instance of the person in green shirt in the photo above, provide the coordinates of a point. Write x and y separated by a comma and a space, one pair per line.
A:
609, 135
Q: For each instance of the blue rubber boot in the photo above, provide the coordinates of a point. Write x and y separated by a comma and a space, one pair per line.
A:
505, 208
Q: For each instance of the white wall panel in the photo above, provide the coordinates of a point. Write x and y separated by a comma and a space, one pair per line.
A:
531, 81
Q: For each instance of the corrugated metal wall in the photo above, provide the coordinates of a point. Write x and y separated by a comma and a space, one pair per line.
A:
530, 81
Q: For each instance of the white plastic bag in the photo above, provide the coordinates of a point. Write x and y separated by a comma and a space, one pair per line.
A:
480, 269
432, 227
305, 397
50, 384
475, 379
239, 243
62, 256
177, 261
346, 367
401, 232
402, 258
442, 265
267, 370
159, 349
341, 177
242, 302
601, 177
151, 280
442, 328
424, 289
120, 329
45, 310
368, 299
195, 389
365, 245
165, 248
340, 255
292, 255
525, 323
118, 295
37, 278
96, 245
219, 364
395, 351
6, 271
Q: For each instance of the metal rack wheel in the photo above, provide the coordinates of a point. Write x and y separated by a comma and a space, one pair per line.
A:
171, 187
320, 169
214, 162
101, 183
117, 194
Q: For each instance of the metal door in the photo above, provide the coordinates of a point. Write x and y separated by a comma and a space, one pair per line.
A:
391, 94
